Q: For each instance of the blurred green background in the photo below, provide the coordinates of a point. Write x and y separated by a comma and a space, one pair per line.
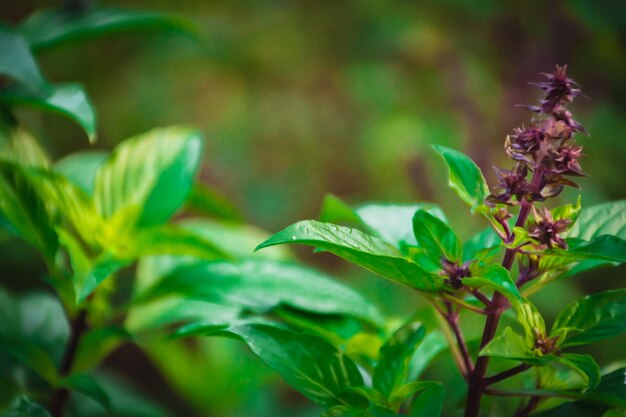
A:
300, 98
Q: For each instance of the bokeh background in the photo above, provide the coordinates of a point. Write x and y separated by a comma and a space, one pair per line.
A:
302, 98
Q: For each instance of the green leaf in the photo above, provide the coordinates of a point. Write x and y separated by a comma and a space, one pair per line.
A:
170, 239
569, 212
429, 400
17, 62
71, 202
602, 219
26, 211
360, 248
510, 345
436, 237
148, 177
482, 246
19, 146
585, 365
125, 400
606, 247
179, 310
574, 409
52, 27
388, 221
88, 273
206, 200
592, 318
335, 210
69, 100
237, 240
465, 177
88, 386
96, 344
260, 285
308, 363
531, 320
81, 168
393, 222
351, 411
23, 407
495, 277
395, 355
31, 356
611, 390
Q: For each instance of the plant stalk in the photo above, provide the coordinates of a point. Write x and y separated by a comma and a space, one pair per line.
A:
498, 304
61, 395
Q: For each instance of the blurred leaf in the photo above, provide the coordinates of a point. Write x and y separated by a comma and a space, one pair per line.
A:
206, 200
592, 318
495, 277
125, 401
71, 202
81, 168
88, 386
179, 310
335, 210
17, 62
149, 175
26, 211
23, 407
436, 237
96, 344
351, 411
482, 246
389, 221
31, 356
429, 397
605, 247
88, 272
52, 27
393, 222
465, 177
234, 239
261, 285
434, 343
395, 355
173, 240
308, 363
360, 248
70, 100
574, 409
602, 219
19, 146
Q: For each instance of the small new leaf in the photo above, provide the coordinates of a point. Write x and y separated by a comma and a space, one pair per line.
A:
435, 237
464, 176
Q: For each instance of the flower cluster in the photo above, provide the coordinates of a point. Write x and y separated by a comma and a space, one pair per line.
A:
546, 157
455, 272
545, 148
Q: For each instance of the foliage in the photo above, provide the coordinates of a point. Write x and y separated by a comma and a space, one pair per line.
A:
140, 214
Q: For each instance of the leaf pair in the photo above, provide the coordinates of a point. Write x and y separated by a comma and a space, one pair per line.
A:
585, 321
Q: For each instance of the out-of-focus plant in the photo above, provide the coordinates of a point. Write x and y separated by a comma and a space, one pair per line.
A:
414, 245
97, 217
